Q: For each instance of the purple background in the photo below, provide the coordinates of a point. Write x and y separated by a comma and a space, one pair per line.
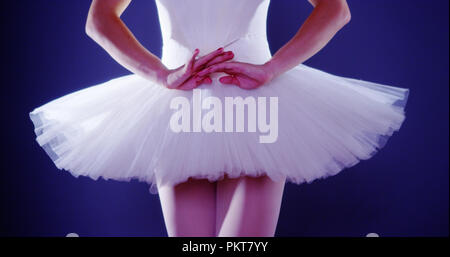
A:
401, 191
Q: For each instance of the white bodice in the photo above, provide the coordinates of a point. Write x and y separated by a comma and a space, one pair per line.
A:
210, 24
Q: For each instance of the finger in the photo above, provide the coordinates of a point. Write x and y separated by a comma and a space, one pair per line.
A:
192, 61
226, 80
174, 84
203, 80
236, 81
207, 58
194, 82
189, 84
248, 83
221, 58
207, 80
228, 67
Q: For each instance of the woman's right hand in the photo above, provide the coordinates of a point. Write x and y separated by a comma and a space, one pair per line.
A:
186, 78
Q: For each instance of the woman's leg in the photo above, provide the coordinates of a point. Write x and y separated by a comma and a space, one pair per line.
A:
248, 206
189, 208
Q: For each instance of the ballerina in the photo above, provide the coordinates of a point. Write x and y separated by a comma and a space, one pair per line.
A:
217, 184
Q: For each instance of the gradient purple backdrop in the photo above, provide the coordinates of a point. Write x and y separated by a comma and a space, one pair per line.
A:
401, 191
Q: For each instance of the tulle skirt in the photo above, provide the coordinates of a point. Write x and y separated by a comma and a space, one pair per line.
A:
123, 129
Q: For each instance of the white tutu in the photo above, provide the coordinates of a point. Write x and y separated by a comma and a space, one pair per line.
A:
121, 129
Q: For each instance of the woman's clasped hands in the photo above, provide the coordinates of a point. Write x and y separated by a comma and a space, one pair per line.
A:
197, 71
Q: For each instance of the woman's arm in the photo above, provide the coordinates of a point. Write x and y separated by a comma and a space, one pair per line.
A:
327, 18
106, 28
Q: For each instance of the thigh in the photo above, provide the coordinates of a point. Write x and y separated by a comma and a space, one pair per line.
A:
189, 208
248, 206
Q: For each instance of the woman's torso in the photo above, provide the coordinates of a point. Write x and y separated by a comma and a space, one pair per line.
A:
210, 24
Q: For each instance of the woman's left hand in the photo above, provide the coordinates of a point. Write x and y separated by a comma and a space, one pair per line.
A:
243, 75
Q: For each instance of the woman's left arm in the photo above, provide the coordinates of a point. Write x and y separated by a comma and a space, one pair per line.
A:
327, 18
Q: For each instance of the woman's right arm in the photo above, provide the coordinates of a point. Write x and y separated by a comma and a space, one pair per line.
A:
106, 28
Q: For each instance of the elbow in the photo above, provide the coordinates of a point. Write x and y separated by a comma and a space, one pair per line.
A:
343, 15
337, 10
97, 24
92, 27
346, 16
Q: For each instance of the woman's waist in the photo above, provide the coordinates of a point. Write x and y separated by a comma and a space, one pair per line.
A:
249, 48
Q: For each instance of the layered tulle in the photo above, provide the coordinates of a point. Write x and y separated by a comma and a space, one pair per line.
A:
121, 130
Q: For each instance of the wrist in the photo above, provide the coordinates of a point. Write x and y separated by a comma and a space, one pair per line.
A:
156, 73
162, 76
270, 69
